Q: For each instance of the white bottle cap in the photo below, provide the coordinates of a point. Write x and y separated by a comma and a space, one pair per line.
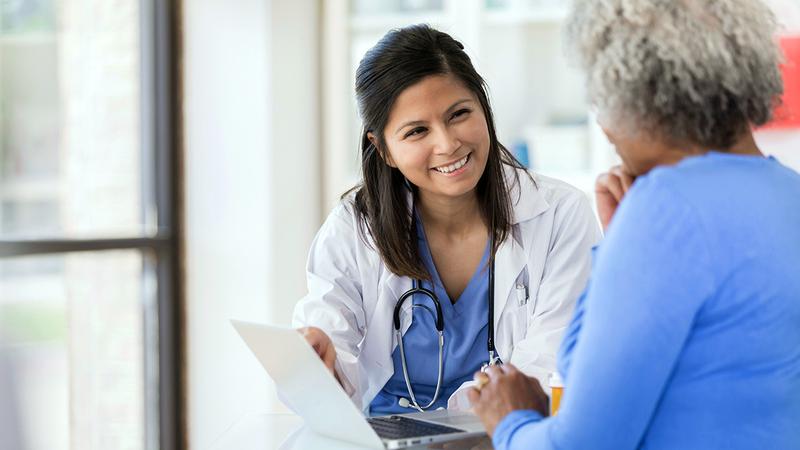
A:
554, 380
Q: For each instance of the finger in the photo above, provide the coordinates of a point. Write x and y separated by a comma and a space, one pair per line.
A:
514, 375
474, 396
626, 179
318, 344
534, 383
606, 190
481, 379
614, 185
494, 372
330, 359
308, 335
601, 182
534, 379
627, 169
508, 369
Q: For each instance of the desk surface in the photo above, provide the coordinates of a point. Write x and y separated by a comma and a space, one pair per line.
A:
286, 432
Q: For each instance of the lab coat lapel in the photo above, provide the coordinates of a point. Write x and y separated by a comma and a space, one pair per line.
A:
512, 255
509, 263
380, 342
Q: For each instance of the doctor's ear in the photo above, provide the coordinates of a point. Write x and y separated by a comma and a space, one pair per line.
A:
385, 156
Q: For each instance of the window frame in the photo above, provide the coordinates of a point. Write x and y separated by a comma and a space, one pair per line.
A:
161, 184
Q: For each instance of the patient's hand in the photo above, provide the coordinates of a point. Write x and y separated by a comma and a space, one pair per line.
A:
506, 390
323, 345
609, 190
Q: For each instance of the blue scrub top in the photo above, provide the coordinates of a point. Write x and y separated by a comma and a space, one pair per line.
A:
465, 340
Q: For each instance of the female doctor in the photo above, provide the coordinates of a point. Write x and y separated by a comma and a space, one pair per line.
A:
445, 207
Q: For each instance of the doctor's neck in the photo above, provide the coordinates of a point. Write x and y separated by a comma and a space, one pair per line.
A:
450, 215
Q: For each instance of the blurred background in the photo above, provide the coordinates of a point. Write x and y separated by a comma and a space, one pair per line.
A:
164, 166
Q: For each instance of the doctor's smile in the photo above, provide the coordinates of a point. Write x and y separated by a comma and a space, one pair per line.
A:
455, 168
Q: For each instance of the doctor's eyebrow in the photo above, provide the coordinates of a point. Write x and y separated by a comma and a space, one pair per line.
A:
422, 122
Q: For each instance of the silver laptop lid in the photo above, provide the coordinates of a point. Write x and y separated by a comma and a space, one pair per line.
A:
305, 382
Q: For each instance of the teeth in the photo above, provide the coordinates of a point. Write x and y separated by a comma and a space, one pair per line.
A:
457, 165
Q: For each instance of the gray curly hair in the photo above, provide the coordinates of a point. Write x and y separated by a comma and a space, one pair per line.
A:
691, 71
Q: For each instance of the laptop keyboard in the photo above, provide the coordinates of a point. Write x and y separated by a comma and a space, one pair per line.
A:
397, 427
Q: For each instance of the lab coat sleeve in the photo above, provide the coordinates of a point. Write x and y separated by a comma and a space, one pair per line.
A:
459, 400
334, 300
566, 271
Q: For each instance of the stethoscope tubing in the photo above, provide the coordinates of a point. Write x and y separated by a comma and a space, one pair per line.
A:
439, 317
416, 288
407, 379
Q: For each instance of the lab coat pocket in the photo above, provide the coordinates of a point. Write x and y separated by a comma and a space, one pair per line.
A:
522, 299
521, 316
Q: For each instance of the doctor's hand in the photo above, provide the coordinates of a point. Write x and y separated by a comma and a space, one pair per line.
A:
323, 345
506, 390
609, 189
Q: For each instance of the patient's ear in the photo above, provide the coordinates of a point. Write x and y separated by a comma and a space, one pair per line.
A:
385, 156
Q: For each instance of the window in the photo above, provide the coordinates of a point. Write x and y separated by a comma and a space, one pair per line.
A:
88, 232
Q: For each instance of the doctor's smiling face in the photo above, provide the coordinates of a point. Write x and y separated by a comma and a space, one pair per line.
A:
426, 121
437, 137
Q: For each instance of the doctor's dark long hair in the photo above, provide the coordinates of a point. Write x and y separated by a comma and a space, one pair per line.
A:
400, 59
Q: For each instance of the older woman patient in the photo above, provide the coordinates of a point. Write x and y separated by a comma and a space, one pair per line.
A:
688, 335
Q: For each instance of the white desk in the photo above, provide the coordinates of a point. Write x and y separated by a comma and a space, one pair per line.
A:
286, 432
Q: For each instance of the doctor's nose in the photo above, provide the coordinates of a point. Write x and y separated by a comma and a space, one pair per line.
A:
446, 142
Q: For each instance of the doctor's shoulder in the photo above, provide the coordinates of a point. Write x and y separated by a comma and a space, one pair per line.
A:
345, 227
567, 203
557, 194
558, 191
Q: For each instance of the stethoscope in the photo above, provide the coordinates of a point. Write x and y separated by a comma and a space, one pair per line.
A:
439, 319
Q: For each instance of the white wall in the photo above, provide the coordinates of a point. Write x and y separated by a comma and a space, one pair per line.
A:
784, 145
252, 191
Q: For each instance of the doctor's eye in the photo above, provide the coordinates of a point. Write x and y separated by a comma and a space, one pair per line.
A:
460, 113
415, 131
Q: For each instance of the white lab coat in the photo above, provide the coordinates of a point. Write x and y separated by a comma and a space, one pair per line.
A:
351, 293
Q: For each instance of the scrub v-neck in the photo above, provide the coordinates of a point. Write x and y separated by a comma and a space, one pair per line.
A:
465, 339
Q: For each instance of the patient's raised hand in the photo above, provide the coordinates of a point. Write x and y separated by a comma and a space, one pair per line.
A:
609, 190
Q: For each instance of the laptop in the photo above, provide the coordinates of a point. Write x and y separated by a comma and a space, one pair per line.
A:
312, 392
